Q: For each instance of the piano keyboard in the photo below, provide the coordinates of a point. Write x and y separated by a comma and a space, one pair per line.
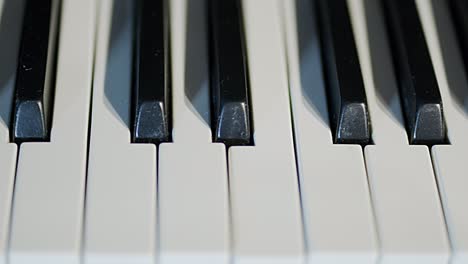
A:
234, 131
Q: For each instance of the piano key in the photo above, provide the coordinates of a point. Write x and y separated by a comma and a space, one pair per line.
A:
267, 228
449, 169
36, 72
325, 202
419, 90
407, 206
229, 81
449, 162
8, 164
459, 10
11, 15
346, 95
120, 216
151, 113
50, 180
406, 202
199, 187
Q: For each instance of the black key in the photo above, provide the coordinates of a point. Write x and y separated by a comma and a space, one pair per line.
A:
152, 74
35, 76
419, 91
229, 81
459, 10
349, 117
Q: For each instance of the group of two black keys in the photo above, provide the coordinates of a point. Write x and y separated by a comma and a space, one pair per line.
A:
420, 97
231, 123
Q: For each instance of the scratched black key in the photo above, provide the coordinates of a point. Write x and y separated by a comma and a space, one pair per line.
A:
459, 9
229, 83
151, 73
419, 91
35, 75
349, 117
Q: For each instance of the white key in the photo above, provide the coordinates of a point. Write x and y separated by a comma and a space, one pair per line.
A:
120, 223
266, 212
7, 174
407, 206
404, 192
450, 169
449, 160
193, 194
49, 190
335, 196
10, 29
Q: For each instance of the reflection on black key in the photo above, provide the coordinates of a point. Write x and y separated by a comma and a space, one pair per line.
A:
151, 86
349, 116
36, 72
419, 91
460, 18
229, 82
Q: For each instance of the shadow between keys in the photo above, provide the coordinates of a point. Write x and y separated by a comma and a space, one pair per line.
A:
451, 55
197, 85
119, 66
385, 81
311, 74
10, 31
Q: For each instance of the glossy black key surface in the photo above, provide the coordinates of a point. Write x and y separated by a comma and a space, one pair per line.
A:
151, 74
349, 117
35, 76
459, 10
419, 91
229, 81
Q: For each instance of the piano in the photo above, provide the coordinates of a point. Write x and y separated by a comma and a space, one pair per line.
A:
233, 131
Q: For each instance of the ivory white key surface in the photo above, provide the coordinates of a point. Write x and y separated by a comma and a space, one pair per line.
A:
192, 183
407, 206
120, 218
7, 174
49, 190
450, 169
335, 196
10, 29
404, 192
266, 212
450, 160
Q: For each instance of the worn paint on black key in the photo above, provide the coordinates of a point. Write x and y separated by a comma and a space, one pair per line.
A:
419, 91
229, 78
35, 76
349, 117
151, 121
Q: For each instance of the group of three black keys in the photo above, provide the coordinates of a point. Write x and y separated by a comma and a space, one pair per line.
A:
229, 86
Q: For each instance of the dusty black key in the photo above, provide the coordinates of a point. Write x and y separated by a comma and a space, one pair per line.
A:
419, 91
459, 10
229, 82
152, 76
35, 76
349, 117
